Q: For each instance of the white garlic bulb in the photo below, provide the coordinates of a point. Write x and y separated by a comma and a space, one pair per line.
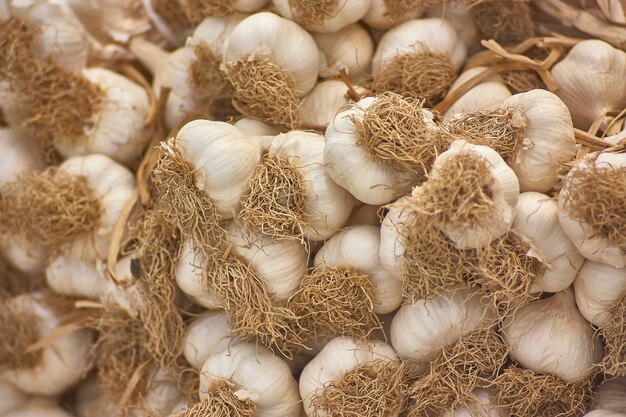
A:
537, 220
598, 287
611, 395
486, 407
460, 17
39, 407
392, 239
10, 397
593, 244
357, 247
339, 357
223, 158
76, 277
327, 18
320, 106
551, 336
350, 49
378, 16
253, 127
63, 361
189, 278
422, 329
164, 394
590, 98
206, 335
255, 374
488, 95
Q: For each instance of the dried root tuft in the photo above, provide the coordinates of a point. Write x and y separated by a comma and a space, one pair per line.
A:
221, 401
396, 9
614, 332
19, 324
309, 13
197, 10
508, 22
522, 81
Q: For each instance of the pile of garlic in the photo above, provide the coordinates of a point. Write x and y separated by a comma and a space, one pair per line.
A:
373, 208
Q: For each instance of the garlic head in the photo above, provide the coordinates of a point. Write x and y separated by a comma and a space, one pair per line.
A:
598, 287
350, 49
324, 17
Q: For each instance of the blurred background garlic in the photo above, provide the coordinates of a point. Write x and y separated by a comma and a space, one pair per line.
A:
350, 49
611, 395
320, 106
325, 17
196, 11
598, 287
488, 95
39, 407
76, 277
460, 17
384, 14
420, 57
590, 99
12, 397
487, 407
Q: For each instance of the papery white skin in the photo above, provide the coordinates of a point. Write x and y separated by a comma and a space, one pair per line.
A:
537, 220
486, 96
64, 361
327, 205
591, 246
392, 247
505, 192
434, 34
253, 127
549, 140
487, 407
76, 277
257, 374
349, 165
163, 394
459, 16
39, 407
10, 397
224, 159
350, 49
422, 329
281, 264
552, 337
611, 395
364, 215
347, 12
377, 17
340, 356
279, 40
113, 185
598, 287
590, 98
320, 106
604, 413
357, 247
206, 335
189, 278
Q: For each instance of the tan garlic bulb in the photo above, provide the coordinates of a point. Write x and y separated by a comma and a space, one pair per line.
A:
611, 395
552, 337
591, 98
591, 208
326, 17
598, 287
320, 106
420, 57
488, 95
384, 14
460, 17
350, 49
291, 194
39, 407
76, 277
350, 377
380, 147
206, 335
11, 397
271, 63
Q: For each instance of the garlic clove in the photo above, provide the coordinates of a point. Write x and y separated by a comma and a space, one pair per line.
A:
324, 18
320, 106
350, 49
598, 287
488, 95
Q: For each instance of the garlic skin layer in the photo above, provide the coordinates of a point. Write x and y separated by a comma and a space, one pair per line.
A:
206, 335
598, 287
537, 220
422, 329
346, 12
611, 395
320, 106
257, 374
486, 96
377, 15
350, 49
338, 357
224, 159
76, 277
549, 139
591, 246
589, 98
358, 247
552, 337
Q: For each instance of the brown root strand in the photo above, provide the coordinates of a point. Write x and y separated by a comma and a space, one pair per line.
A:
501, 130
19, 325
51, 207
275, 203
425, 74
313, 13
396, 9
393, 131
335, 301
55, 104
221, 401
197, 10
614, 332
456, 372
530, 394
264, 91
522, 81
213, 93
597, 197
508, 22
373, 389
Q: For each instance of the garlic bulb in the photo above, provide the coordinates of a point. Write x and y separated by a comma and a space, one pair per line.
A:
291, 193
591, 98
392, 248
537, 220
164, 395
10, 397
357, 247
604, 413
253, 127
485, 408
552, 337
422, 329
598, 287
206, 335
223, 159
326, 17
59, 364
251, 378
488, 95
320, 106
460, 17
611, 395
420, 57
76, 277
196, 11
350, 49
368, 364
381, 16
38, 407
190, 278
271, 62
591, 208
357, 155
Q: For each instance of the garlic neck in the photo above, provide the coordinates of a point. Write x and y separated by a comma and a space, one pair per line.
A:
150, 55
